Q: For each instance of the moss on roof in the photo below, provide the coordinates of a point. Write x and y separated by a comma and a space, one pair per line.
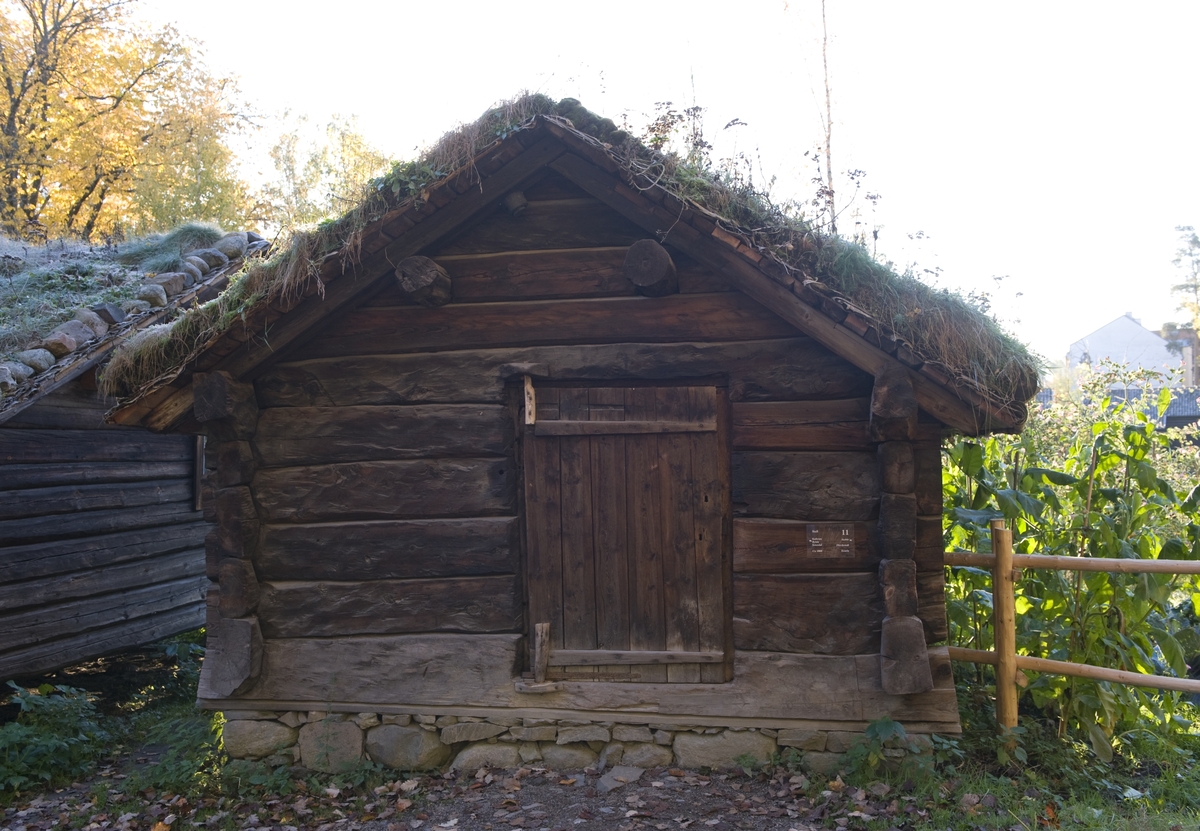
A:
940, 325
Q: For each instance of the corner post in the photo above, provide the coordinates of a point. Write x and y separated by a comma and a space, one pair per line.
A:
1004, 625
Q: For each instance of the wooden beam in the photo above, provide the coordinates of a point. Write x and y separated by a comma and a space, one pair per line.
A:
933, 398
1112, 565
616, 428
601, 657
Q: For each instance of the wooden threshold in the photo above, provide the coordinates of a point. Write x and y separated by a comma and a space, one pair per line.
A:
619, 428
602, 657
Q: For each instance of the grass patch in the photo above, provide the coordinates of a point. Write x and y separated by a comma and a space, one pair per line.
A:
164, 252
941, 325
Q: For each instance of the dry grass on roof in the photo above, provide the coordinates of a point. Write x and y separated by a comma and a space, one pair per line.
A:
941, 325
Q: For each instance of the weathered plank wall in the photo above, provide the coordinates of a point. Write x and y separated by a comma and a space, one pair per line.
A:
100, 548
387, 479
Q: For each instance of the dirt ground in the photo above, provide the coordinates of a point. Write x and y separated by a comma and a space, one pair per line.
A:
530, 798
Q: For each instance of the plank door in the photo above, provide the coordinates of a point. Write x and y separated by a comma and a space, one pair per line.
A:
626, 506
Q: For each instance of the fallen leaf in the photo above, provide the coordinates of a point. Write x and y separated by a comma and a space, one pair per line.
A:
566, 781
403, 804
409, 785
333, 793
450, 823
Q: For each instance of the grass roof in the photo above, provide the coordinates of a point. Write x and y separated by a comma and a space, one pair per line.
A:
940, 325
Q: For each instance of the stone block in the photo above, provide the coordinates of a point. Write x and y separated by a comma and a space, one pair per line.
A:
476, 756
674, 728
722, 750
610, 754
646, 755
530, 752
631, 733
7, 382
393, 718
232, 245
535, 734
839, 741
331, 746
802, 738
539, 722
568, 756
173, 282
110, 313
445, 721
406, 747
505, 721
135, 307
60, 344
293, 719
194, 274
426, 719
77, 329
154, 294
254, 739
467, 732
93, 321
212, 256
825, 764
663, 737
366, 721
20, 372
589, 733
198, 264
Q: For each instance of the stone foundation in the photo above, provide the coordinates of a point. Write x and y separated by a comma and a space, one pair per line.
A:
332, 742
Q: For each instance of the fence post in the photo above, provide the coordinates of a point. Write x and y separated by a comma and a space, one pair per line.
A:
1004, 625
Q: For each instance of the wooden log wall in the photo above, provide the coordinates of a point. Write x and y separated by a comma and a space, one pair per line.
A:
100, 545
387, 479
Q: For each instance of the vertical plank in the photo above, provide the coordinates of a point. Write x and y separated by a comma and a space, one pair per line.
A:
647, 628
608, 518
579, 578
677, 492
544, 533
708, 515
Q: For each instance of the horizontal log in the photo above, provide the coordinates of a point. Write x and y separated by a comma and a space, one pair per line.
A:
70, 407
907, 708
388, 490
388, 550
67, 499
27, 562
43, 591
831, 614
600, 657
90, 473
64, 652
806, 485
1061, 563
561, 223
1052, 667
620, 428
48, 622
783, 546
478, 671
546, 275
801, 425
326, 609
758, 370
320, 435
723, 316
47, 446
60, 526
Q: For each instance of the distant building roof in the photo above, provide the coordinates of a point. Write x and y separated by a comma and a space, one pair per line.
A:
1126, 341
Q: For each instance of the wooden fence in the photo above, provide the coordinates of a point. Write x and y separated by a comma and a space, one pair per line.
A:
1004, 565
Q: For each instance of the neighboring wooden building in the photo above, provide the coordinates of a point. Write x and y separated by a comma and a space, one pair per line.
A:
101, 533
529, 463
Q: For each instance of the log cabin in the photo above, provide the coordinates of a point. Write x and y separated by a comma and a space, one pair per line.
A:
548, 459
101, 530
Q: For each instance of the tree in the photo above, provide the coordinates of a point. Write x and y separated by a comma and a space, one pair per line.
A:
97, 115
320, 178
1187, 258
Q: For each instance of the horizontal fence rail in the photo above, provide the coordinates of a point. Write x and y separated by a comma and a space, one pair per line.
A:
1004, 565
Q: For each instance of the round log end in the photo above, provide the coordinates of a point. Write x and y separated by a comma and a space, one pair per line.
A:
649, 267
424, 282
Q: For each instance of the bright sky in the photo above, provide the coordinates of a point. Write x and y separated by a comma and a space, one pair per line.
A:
1053, 144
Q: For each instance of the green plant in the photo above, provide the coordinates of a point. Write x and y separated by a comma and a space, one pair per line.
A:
885, 743
56, 737
1093, 476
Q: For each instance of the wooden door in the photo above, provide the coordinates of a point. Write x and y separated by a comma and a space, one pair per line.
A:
626, 511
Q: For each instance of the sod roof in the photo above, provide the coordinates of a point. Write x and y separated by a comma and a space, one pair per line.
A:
828, 287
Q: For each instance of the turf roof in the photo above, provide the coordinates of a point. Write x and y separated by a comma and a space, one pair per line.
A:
952, 339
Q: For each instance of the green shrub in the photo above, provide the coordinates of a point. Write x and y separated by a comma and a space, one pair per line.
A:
57, 737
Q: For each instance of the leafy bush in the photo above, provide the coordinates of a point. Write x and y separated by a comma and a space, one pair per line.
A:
1093, 476
56, 737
